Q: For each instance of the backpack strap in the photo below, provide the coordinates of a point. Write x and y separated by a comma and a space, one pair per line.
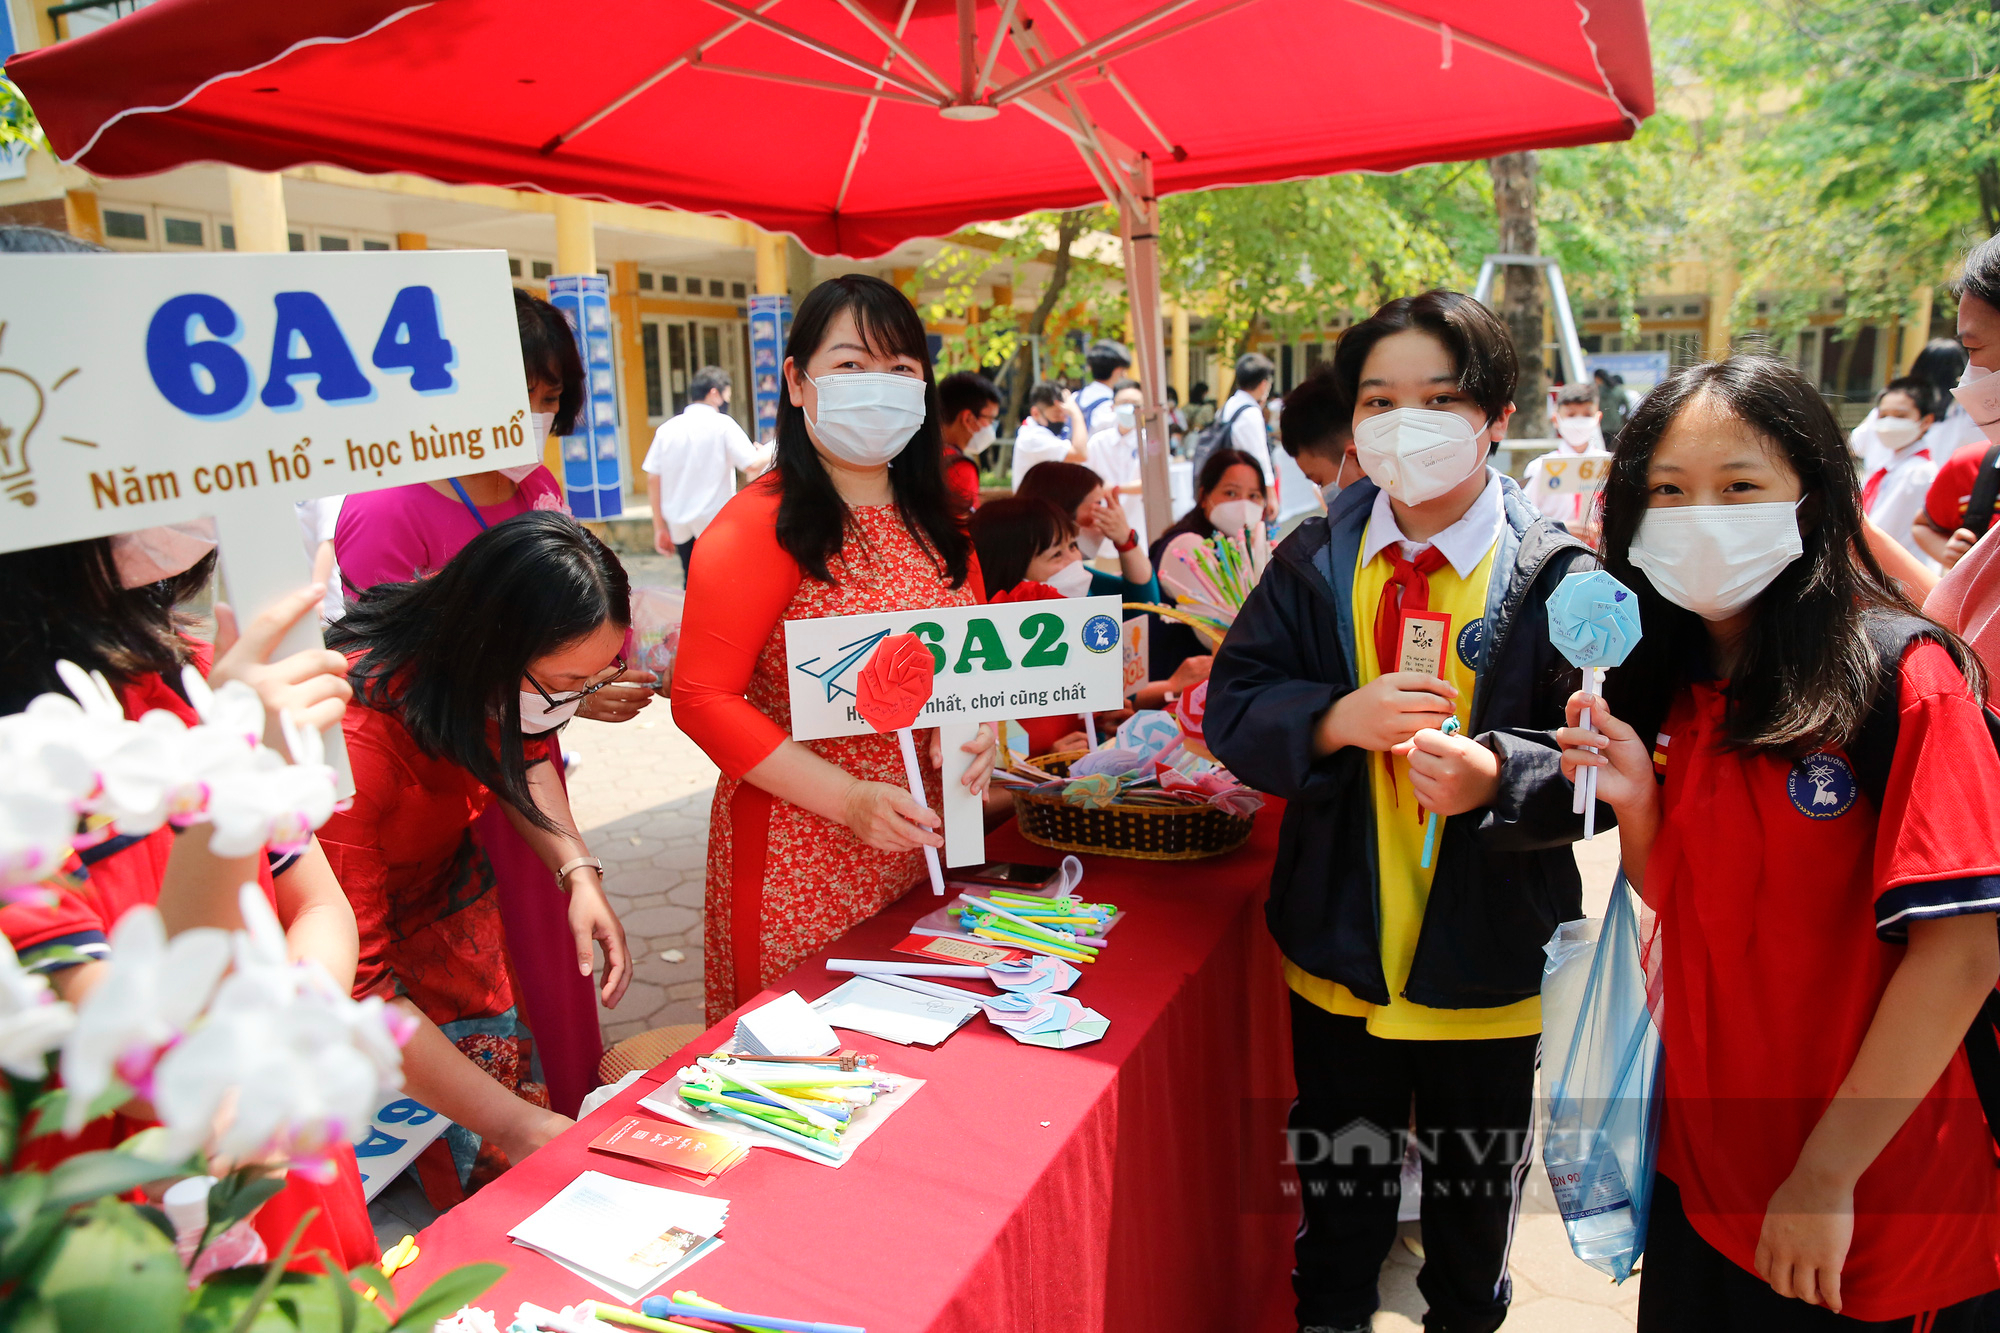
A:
1985, 491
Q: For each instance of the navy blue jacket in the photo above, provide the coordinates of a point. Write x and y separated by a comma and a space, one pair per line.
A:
1505, 875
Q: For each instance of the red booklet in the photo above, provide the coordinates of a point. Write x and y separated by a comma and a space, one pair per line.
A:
663, 1143
956, 949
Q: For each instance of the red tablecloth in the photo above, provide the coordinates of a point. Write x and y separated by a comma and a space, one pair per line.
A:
1134, 1183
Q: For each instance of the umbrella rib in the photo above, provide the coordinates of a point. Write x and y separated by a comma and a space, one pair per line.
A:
895, 44
800, 81
1460, 37
1141, 43
1090, 139
993, 51
1084, 54
679, 62
867, 119
1116, 82
830, 52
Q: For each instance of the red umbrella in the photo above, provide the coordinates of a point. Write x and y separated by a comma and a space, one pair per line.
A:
852, 124
795, 117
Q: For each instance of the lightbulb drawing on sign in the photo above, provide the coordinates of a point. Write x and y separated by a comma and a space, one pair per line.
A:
21, 404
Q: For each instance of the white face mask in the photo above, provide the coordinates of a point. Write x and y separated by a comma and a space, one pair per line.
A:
1092, 544
1978, 392
152, 554
1127, 417
1896, 432
982, 439
543, 422
537, 717
1580, 432
1417, 454
1072, 580
1231, 517
518, 474
1714, 560
866, 418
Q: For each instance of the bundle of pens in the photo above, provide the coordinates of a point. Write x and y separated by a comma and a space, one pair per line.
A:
1210, 579
1060, 927
808, 1104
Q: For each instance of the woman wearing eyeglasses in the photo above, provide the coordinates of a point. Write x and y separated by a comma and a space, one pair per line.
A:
460, 681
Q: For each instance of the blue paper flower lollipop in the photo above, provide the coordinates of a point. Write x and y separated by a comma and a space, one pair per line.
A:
1594, 622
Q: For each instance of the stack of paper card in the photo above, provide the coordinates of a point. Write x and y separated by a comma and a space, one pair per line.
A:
1046, 1019
695, 1151
785, 1026
898, 1009
621, 1236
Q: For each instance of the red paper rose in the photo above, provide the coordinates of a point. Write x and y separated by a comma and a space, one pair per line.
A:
896, 684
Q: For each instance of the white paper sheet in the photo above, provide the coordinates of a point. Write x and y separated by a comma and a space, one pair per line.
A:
785, 1026
901, 1014
621, 1235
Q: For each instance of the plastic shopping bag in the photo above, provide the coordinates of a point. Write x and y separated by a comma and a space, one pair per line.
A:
656, 630
1601, 1063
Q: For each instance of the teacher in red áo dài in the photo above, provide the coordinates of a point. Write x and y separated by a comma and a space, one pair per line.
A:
806, 839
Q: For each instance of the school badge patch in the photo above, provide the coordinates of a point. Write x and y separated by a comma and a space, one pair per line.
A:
1822, 786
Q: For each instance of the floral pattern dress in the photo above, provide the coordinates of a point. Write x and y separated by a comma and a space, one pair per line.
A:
784, 882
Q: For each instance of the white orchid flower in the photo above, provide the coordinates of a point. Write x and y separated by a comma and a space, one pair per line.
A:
155, 990
234, 709
33, 1021
268, 804
92, 692
36, 832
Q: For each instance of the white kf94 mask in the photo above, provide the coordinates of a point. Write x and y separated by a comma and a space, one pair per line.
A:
1715, 559
1417, 453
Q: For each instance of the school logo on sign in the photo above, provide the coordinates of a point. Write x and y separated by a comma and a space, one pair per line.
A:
1822, 786
1472, 643
1100, 634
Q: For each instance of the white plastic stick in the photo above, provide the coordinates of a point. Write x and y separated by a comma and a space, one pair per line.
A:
1090, 728
864, 968
1588, 787
916, 778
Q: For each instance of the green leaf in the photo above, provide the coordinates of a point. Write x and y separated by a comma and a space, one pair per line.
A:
110, 1269
274, 1272
225, 1298
25, 1225
370, 1276
461, 1286
236, 1196
49, 1108
25, 1312
94, 1174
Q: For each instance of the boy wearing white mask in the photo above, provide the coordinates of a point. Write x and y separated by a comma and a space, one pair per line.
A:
969, 405
1566, 483
1415, 977
1113, 454
1894, 487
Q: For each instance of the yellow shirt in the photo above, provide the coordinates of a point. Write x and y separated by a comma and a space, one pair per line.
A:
1404, 885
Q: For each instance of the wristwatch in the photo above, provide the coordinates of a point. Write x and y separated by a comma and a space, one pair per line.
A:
1131, 540
577, 863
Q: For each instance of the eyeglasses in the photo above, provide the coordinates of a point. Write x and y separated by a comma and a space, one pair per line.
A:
616, 670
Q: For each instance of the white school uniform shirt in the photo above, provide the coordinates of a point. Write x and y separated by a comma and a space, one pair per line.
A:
1248, 432
1114, 455
1465, 543
1035, 443
1094, 401
696, 456
316, 523
1893, 492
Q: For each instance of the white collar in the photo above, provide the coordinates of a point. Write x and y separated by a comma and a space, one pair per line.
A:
1465, 543
706, 407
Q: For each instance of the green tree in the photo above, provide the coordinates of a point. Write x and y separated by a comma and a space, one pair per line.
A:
17, 119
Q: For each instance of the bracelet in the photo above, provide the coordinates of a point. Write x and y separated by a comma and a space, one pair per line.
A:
1131, 540
562, 875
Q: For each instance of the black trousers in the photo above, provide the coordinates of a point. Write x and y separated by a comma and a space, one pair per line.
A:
685, 550
1686, 1283
1473, 1104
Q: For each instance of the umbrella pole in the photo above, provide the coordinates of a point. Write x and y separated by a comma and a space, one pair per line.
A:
1138, 228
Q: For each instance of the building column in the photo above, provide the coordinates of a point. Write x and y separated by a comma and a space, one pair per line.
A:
412, 240
632, 366
771, 274
1179, 375
1917, 328
576, 238
257, 211
82, 217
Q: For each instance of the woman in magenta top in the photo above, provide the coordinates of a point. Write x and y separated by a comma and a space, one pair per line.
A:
410, 532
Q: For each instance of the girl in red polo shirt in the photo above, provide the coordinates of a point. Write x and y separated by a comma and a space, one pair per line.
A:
1805, 787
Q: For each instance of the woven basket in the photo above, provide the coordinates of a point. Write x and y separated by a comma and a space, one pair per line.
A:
1142, 832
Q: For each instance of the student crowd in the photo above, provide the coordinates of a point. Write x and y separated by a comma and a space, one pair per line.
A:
1799, 760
